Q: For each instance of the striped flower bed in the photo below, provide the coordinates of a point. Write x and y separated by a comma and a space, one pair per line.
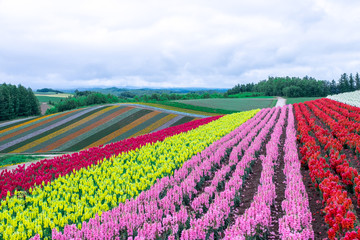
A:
74, 200
84, 128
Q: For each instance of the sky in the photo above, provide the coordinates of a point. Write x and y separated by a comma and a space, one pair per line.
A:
175, 43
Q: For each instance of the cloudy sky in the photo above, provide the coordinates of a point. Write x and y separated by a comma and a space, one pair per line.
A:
177, 43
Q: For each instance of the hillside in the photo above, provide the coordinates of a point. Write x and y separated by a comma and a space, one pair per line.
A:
83, 128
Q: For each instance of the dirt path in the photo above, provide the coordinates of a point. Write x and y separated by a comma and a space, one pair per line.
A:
44, 106
280, 102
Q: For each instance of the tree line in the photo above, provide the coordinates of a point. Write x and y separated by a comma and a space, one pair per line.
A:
17, 101
300, 87
81, 99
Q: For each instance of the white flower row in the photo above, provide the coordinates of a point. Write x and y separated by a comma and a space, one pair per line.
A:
351, 98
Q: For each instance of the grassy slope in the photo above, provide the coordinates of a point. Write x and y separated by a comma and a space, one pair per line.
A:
300, 100
7, 160
180, 108
231, 104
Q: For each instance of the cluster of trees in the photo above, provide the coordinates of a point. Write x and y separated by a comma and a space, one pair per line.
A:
17, 101
241, 88
293, 87
81, 99
346, 83
49, 90
300, 87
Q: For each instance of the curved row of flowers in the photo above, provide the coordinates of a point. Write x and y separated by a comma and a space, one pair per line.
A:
256, 220
296, 222
79, 196
50, 169
339, 209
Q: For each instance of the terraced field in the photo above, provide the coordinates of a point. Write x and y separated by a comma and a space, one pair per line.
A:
84, 128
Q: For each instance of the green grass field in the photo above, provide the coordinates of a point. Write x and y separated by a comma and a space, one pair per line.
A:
300, 100
232, 104
51, 96
186, 108
7, 160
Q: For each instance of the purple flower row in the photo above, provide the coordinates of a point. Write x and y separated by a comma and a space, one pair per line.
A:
296, 223
153, 211
257, 218
221, 207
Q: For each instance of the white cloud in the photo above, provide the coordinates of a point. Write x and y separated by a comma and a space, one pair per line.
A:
66, 44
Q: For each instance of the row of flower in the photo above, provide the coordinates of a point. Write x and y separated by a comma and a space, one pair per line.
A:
40, 142
50, 169
334, 141
296, 221
64, 119
183, 206
75, 134
339, 209
77, 197
351, 98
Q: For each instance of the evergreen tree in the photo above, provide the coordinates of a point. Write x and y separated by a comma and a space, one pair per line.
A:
333, 87
34, 103
351, 83
346, 83
357, 81
17, 101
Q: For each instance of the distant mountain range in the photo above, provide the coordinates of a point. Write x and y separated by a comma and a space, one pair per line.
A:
147, 91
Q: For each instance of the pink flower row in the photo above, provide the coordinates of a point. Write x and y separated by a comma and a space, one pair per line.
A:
223, 203
258, 216
161, 208
296, 223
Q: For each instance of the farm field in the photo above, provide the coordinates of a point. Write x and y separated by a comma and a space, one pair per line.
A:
288, 172
232, 104
351, 98
53, 97
300, 99
84, 128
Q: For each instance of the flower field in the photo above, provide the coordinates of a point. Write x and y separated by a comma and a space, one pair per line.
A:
288, 172
351, 98
80, 129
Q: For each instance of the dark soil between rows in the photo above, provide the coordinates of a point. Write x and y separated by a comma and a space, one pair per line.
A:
280, 186
251, 182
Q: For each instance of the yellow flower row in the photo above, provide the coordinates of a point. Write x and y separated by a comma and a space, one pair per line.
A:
77, 197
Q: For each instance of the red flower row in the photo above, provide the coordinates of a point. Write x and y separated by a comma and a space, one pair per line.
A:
338, 206
49, 169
